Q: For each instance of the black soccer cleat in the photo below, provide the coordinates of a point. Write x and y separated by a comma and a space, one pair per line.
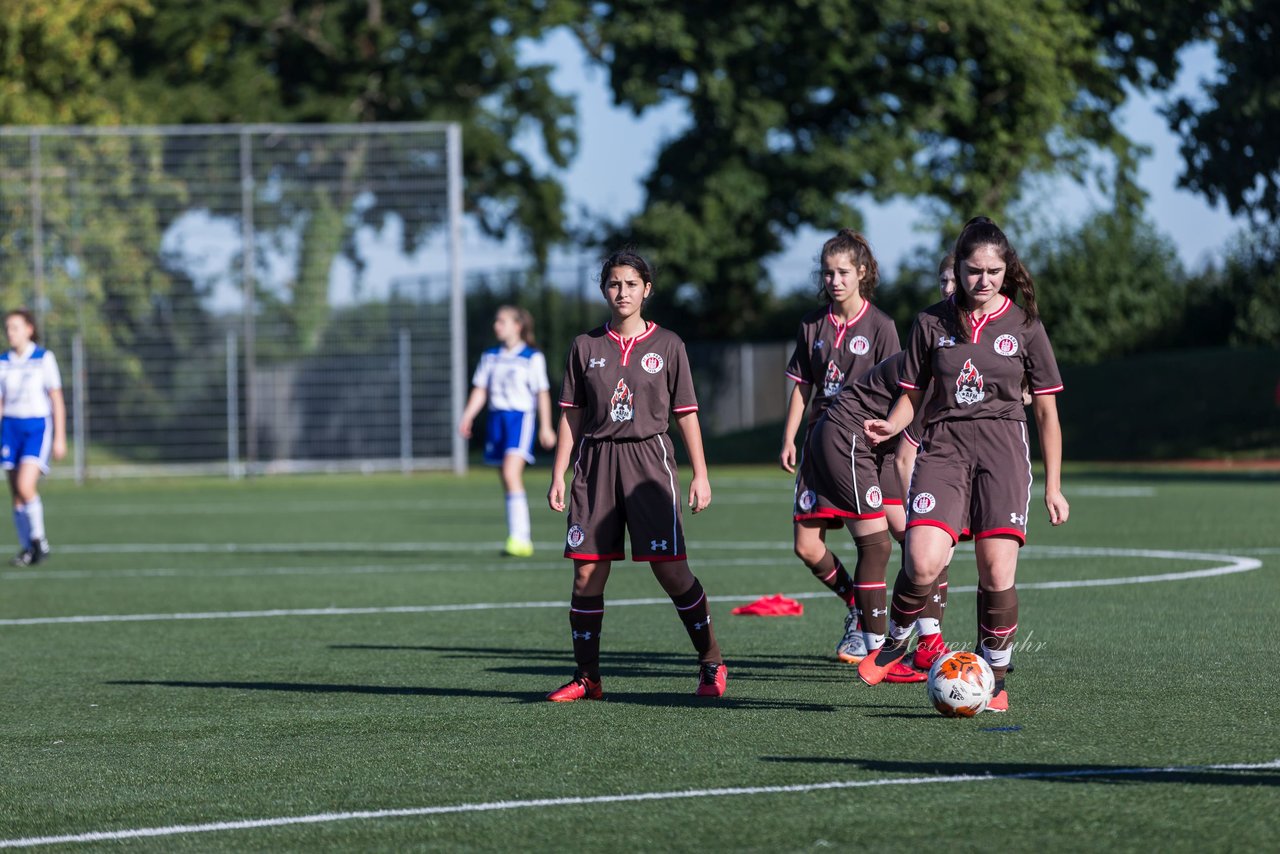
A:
32, 554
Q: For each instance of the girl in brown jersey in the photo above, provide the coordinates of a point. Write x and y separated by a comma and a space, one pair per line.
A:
622, 381
838, 342
975, 349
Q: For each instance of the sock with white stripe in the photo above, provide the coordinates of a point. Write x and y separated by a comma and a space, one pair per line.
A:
691, 605
831, 572
586, 617
997, 627
23, 526
518, 527
874, 551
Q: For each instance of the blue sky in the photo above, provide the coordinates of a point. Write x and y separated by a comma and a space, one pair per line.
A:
617, 149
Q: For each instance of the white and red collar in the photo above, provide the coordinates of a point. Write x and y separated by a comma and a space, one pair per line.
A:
626, 345
843, 326
979, 325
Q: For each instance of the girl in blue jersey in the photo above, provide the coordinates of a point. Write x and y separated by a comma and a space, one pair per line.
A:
512, 378
33, 426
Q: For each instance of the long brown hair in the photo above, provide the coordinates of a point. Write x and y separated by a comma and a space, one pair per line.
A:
847, 241
524, 319
30, 318
1018, 284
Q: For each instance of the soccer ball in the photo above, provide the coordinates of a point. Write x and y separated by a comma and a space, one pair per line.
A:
960, 684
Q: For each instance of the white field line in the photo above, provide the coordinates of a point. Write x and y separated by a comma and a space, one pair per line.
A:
1231, 566
591, 800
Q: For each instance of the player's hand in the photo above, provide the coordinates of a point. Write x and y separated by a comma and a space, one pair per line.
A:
788, 457
699, 494
547, 438
464, 428
1058, 507
555, 495
877, 430
59, 448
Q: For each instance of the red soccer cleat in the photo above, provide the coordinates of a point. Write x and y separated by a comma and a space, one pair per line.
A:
928, 650
580, 687
711, 680
901, 673
1000, 702
873, 668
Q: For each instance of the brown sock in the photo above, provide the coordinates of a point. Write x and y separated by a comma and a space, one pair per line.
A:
997, 627
874, 551
586, 615
831, 572
935, 604
908, 602
691, 605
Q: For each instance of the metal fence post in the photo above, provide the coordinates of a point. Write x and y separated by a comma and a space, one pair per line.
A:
457, 300
79, 391
37, 228
406, 403
247, 295
233, 409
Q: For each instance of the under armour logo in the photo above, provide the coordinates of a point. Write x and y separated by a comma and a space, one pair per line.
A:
1017, 520
817, 345
582, 635
946, 340
937, 598
595, 363
703, 625
658, 545
878, 612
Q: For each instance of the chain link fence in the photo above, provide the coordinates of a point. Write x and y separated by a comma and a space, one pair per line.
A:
228, 299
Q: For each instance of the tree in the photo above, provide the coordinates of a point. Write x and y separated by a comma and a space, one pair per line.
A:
1231, 132
1108, 287
798, 109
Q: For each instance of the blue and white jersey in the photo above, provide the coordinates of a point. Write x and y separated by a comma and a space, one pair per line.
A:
512, 377
25, 382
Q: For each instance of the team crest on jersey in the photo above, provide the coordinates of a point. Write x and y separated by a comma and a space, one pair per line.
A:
652, 363
969, 385
576, 536
1006, 345
807, 500
874, 497
924, 502
834, 379
620, 408
859, 345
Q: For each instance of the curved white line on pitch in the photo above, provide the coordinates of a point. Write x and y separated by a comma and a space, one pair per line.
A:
1232, 566
634, 797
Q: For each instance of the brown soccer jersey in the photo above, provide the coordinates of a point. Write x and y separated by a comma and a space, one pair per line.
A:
982, 377
829, 352
627, 388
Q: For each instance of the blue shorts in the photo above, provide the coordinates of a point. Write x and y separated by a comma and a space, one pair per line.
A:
510, 432
25, 440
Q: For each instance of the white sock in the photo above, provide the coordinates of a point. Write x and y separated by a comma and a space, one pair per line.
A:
997, 657
518, 526
899, 633
35, 518
873, 642
24, 529
928, 625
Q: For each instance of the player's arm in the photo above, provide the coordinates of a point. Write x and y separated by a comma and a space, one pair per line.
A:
567, 439
547, 435
59, 423
700, 486
475, 402
879, 430
796, 405
904, 462
1045, 407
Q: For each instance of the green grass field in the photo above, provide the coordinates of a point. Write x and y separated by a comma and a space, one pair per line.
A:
325, 650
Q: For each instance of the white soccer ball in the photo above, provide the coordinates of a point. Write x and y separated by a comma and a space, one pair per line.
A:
960, 684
